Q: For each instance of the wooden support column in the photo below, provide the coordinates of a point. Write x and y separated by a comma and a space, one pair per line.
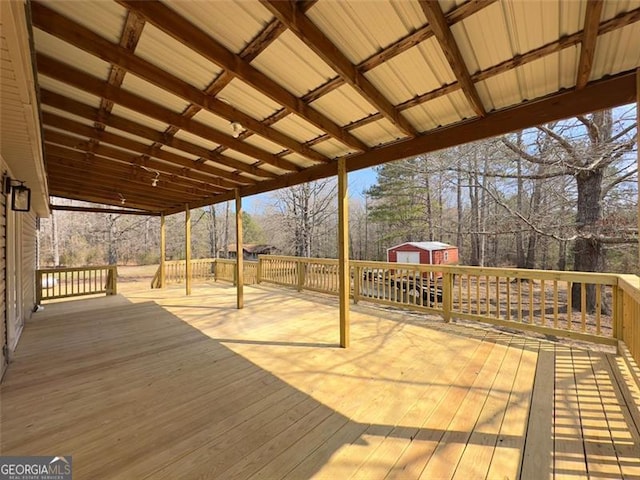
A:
163, 244
239, 253
343, 252
638, 150
187, 248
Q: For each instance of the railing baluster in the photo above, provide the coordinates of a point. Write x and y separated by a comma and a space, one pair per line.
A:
583, 306
555, 304
543, 304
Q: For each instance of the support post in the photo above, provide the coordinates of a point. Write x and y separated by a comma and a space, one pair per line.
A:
187, 248
343, 252
638, 150
447, 295
259, 270
239, 253
163, 244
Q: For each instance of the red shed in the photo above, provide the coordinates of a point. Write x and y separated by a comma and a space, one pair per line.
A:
425, 253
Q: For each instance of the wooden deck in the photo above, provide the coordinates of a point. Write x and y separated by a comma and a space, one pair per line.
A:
157, 385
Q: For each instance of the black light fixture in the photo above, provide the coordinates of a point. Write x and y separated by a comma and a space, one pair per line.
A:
20, 195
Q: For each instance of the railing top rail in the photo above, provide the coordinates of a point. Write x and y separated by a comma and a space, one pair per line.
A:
75, 269
297, 259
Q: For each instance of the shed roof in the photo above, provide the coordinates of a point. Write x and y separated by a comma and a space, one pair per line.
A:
429, 246
135, 91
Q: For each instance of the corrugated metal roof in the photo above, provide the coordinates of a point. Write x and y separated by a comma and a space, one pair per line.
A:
420, 69
54, 47
363, 28
344, 104
305, 70
430, 246
617, 52
233, 24
248, 100
333, 148
160, 49
410, 89
147, 90
104, 18
68, 91
378, 133
195, 139
297, 128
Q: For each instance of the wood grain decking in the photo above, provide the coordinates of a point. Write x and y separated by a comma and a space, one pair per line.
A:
157, 385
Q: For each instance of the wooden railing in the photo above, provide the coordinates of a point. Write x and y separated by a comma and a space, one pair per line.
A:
537, 300
55, 283
206, 269
627, 325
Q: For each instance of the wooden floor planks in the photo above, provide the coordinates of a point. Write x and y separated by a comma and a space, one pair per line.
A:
157, 385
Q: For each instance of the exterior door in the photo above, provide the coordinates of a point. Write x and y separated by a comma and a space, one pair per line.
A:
408, 257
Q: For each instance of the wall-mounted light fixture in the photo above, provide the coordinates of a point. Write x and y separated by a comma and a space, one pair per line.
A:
20, 195
122, 199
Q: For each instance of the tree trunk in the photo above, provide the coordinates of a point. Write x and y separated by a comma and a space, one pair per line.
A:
226, 231
588, 253
55, 240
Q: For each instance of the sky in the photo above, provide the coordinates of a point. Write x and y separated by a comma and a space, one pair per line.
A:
359, 181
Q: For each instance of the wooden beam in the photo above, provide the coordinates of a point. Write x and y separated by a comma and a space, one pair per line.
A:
638, 151
72, 191
224, 178
589, 38
187, 249
82, 110
624, 19
438, 22
75, 34
607, 93
133, 181
289, 14
409, 41
163, 250
239, 253
78, 180
77, 78
105, 151
344, 270
118, 211
185, 32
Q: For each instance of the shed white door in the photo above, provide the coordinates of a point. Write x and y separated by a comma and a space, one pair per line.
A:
408, 257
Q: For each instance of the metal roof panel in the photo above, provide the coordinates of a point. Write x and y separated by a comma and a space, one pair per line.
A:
144, 89
363, 28
233, 24
344, 105
310, 70
158, 48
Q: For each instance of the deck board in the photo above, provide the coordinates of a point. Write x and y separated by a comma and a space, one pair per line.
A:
156, 385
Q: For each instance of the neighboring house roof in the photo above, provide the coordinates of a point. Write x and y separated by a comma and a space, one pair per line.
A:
425, 245
252, 248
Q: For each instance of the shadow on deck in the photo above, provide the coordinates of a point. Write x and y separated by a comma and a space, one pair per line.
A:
157, 385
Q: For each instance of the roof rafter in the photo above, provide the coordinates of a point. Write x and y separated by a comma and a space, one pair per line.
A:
606, 93
589, 39
90, 84
82, 110
135, 182
179, 28
111, 138
290, 15
57, 138
117, 211
83, 38
438, 22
